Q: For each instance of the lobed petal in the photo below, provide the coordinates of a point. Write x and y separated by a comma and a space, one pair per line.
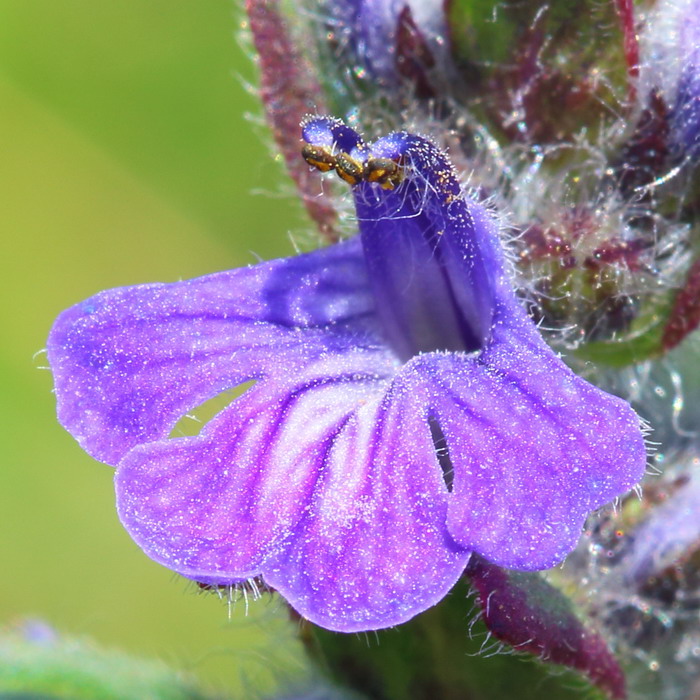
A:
373, 550
213, 506
326, 484
534, 448
129, 362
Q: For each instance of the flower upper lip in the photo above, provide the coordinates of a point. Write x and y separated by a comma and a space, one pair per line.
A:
323, 477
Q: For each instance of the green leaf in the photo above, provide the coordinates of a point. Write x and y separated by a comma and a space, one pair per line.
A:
643, 342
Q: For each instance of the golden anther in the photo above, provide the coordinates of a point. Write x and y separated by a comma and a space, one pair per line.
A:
385, 171
349, 169
318, 157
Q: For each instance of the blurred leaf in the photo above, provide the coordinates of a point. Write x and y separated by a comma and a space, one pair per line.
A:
156, 85
58, 667
642, 342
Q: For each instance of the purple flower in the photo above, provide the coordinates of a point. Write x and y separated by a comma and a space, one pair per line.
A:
404, 413
672, 67
686, 110
390, 40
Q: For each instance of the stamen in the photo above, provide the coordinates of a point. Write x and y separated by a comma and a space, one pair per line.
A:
318, 157
386, 172
349, 169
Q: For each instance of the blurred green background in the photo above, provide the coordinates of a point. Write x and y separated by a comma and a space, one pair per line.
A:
125, 157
